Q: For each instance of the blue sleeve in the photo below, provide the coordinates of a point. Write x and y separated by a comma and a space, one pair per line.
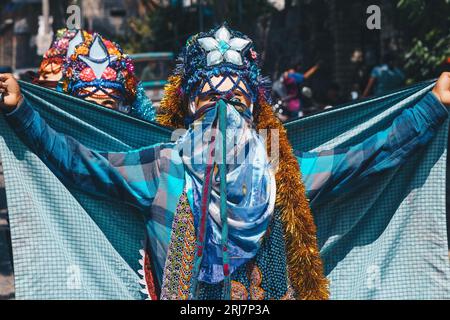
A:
299, 78
375, 72
332, 172
130, 177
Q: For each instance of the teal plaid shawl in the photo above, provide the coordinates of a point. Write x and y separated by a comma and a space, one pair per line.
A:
386, 241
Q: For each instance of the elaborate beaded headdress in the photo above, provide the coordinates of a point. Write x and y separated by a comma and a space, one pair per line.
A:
62, 46
221, 51
101, 64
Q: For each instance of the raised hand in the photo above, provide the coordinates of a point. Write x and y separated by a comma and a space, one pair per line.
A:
10, 92
442, 89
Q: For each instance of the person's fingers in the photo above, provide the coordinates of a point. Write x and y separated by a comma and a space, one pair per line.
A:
3, 87
5, 76
444, 78
444, 83
442, 88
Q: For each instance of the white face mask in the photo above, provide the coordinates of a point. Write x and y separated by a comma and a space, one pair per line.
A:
193, 107
239, 134
250, 181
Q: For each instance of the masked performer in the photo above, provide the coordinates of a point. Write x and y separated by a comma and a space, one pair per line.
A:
49, 74
118, 88
52, 65
72, 70
100, 72
217, 227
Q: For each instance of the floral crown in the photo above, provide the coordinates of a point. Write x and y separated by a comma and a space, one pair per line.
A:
220, 51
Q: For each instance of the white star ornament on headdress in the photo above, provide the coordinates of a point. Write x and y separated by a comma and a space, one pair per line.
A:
74, 42
98, 58
223, 48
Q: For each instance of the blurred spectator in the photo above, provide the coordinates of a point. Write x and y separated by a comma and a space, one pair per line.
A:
151, 72
333, 96
360, 74
385, 77
292, 80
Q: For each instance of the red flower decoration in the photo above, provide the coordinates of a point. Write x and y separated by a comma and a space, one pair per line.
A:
109, 74
87, 75
108, 44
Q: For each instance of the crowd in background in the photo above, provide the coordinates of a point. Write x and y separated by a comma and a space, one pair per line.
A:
296, 97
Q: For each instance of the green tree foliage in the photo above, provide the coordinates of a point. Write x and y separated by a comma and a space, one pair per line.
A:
425, 25
166, 28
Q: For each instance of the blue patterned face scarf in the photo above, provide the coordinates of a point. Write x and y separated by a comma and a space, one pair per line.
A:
250, 186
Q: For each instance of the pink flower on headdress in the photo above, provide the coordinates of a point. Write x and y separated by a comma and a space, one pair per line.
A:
63, 43
253, 54
109, 74
87, 75
130, 66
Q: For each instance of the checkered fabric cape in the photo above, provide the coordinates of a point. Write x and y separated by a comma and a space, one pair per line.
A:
387, 240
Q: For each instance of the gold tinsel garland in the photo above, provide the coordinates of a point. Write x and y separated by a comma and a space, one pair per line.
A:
304, 263
171, 112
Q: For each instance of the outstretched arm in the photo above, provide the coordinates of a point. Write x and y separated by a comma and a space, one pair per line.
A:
311, 71
132, 177
329, 173
369, 87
